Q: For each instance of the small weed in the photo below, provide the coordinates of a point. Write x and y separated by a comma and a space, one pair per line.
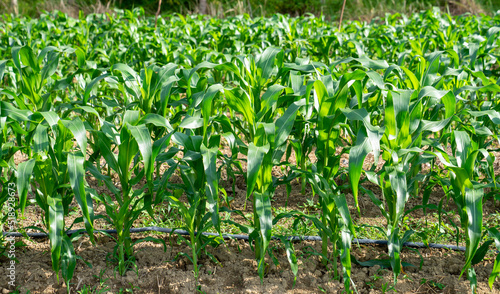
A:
432, 284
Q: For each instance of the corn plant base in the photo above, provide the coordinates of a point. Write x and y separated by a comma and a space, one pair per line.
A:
237, 273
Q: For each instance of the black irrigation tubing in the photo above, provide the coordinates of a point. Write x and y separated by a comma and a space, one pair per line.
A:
244, 237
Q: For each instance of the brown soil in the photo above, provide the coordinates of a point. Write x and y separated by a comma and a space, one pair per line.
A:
236, 273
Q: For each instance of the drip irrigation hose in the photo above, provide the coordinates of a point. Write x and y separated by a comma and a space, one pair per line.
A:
245, 237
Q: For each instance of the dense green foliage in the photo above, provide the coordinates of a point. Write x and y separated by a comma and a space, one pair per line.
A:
112, 97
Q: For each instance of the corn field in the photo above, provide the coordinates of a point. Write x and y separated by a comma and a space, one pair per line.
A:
273, 101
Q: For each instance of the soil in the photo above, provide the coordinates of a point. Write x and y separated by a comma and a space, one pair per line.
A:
159, 271
235, 271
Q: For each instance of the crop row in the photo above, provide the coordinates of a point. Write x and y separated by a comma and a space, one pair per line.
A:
112, 98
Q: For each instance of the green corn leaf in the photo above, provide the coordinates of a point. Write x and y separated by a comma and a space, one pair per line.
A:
320, 96
80, 56
292, 258
52, 119
413, 79
185, 212
404, 139
343, 210
45, 175
183, 140
15, 58
433, 126
269, 100
345, 258
481, 252
463, 146
401, 102
207, 103
394, 247
374, 133
399, 186
91, 110
429, 77
495, 271
68, 259
9, 110
390, 118
2, 68
366, 62
191, 122
239, 101
157, 120
376, 79
56, 230
24, 172
127, 150
230, 67
447, 97
161, 144
284, 124
51, 66
76, 173
106, 179
90, 87
41, 139
357, 156
143, 139
263, 210
131, 79
471, 276
377, 202
28, 58
266, 61
105, 149
474, 209
212, 185
77, 127
165, 94
131, 117
255, 157
470, 163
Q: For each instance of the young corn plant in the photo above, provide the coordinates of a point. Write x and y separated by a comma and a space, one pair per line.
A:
199, 175
336, 224
467, 193
267, 137
401, 142
150, 90
264, 153
33, 78
54, 168
328, 101
126, 203
302, 137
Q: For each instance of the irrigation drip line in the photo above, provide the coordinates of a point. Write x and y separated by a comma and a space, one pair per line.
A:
243, 237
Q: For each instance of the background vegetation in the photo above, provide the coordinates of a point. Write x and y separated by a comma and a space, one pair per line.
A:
355, 9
